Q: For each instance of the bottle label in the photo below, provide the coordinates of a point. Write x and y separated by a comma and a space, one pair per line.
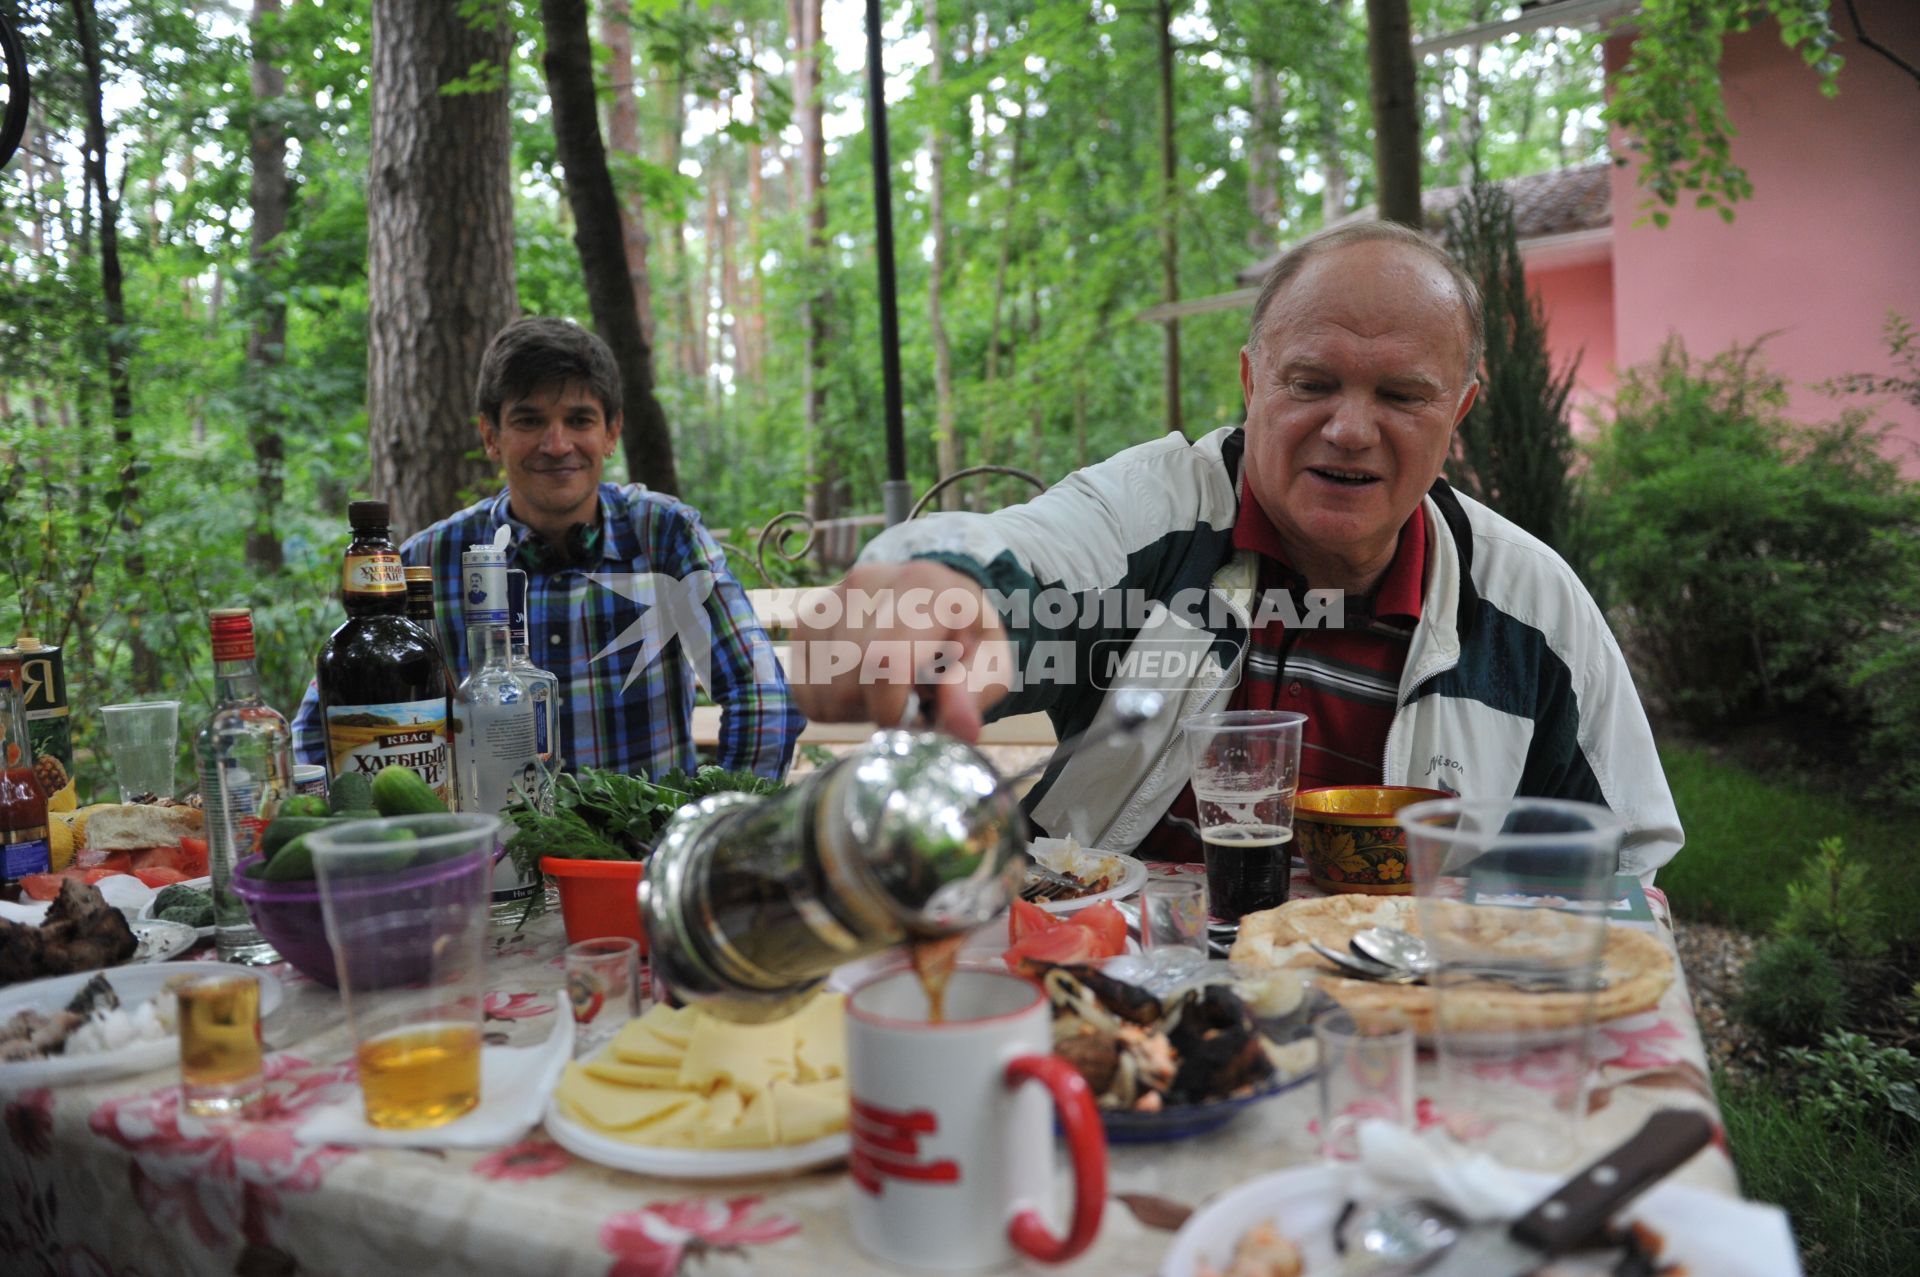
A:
411, 734
373, 574
542, 714
28, 856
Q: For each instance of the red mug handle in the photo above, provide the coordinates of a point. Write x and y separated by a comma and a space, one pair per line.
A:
1086, 1142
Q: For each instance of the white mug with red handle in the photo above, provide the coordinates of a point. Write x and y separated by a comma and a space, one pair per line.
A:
952, 1163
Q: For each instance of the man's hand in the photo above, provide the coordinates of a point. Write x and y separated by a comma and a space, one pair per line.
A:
862, 645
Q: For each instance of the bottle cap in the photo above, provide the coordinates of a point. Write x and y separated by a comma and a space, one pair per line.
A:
368, 515
420, 574
28, 643
232, 629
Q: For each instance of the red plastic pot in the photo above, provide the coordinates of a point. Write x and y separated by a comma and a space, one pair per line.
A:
598, 898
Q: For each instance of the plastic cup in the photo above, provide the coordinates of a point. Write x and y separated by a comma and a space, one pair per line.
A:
1246, 769
603, 987
405, 902
1522, 885
1366, 1075
141, 740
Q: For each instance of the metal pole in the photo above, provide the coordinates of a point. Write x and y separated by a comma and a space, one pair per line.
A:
883, 248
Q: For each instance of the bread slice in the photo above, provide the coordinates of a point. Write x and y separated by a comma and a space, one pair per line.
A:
131, 826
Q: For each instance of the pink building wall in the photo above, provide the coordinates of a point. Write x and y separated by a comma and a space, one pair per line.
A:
1578, 302
1827, 245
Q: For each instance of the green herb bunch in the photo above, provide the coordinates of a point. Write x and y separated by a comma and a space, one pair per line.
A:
604, 815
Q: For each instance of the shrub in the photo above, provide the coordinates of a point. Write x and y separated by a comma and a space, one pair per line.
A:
1750, 556
1848, 1080
1791, 992
1832, 905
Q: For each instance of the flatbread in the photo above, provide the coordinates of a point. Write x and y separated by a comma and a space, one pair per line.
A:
1637, 967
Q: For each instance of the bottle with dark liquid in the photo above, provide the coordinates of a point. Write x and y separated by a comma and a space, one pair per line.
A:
23, 803
421, 612
385, 694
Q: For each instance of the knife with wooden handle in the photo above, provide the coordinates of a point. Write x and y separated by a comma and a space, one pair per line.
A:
1574, 1214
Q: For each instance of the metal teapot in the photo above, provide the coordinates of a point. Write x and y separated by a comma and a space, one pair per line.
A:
749, 902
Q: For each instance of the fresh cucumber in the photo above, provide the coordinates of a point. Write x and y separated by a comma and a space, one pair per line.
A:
399, 791
285, 829
292, 862
306, 805
350, 792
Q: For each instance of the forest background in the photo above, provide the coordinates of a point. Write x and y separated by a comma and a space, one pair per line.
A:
192, 441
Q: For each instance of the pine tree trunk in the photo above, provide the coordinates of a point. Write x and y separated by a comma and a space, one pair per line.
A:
440, 267
599, 238
989, 426
623, 138
1265, 171
1169, 216
805, 19
267, 339
146, 666
1396, 111
947, 443
756, 213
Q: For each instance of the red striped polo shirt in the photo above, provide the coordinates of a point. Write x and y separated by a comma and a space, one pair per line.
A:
1346, 680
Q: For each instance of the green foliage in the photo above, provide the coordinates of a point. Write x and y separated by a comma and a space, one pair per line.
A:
1516, 444
1746, 840
1854, 1197
1668, 100
1749, 556
1849, 1081
1791, 992
1832, 905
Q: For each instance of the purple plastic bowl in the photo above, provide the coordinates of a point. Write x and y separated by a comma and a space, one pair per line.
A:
289, 916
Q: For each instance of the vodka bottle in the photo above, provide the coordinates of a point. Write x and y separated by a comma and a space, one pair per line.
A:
245, 759
546, 686
493, 720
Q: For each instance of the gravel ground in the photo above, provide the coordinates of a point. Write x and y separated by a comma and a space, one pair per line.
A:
1713, 958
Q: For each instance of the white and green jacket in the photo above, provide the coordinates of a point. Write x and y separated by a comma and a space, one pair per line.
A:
1513, 684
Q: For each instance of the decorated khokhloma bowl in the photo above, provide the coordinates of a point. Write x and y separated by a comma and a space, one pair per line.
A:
1350, 840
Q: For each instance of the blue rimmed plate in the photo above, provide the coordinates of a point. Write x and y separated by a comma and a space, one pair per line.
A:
1183, 1121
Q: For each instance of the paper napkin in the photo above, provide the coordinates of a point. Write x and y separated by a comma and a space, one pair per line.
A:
514, 1085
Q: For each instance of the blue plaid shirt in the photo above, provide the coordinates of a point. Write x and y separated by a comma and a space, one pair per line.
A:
611, 632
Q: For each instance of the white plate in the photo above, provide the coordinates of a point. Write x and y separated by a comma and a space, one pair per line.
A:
1714, 1236
203, 884
160, 939
691, 1163
134, 985
1133, 873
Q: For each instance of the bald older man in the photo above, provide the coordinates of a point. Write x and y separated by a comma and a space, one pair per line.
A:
1312, 559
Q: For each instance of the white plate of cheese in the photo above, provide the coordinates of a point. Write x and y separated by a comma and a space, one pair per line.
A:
682, 1095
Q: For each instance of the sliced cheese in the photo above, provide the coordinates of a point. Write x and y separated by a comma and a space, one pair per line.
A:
613, 1107
756, 1127
808, 1110
659, 1076
750, 1056
820, 1035
674, 1024
678, 1129
636, 1043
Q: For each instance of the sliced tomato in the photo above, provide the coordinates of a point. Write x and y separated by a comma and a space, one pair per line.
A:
1026, 918
98, 872
44, 886
118, 861
1064, 945
193, 857
157, 876
1107, 923
156, 858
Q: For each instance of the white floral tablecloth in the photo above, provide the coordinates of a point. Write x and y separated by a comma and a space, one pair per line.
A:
111, 1180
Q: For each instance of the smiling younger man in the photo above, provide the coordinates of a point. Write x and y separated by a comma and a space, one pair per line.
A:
548, 401
1465, 655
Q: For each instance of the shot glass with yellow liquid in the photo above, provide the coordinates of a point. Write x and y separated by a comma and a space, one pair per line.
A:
220, 1052
405, 900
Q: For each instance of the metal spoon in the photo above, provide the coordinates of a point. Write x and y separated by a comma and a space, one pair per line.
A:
1366, 968
1133, 708
1394, 947
1391, 1240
